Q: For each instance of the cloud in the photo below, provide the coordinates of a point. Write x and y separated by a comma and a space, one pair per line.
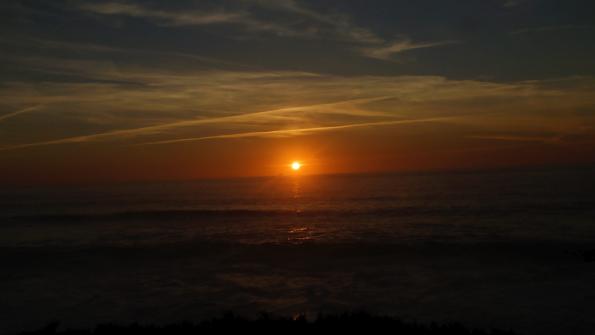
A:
19, 112
562, 135
99, 50
181, 18
552, 28
386, 52
156, 129
190, 17
510, 3
133, 104
298, 131
512, 138
342, 24
294, 19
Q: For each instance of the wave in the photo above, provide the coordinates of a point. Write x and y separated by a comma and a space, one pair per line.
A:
384, 212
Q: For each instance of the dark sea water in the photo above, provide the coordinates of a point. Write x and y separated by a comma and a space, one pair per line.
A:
490, 249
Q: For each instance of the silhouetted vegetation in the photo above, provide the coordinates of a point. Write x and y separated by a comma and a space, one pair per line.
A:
588, 255
230, 323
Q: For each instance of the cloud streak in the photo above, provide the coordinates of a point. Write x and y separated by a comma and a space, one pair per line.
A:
242, 14
386, 52
302, 22
157, 129
19, 112
543, 29
511, 138
299, 131
165, 17
169, 105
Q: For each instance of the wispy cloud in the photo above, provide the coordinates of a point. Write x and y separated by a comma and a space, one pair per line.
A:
296, 20
342, 25
98, 50
19, 112
541, 29
181, 18
298, 131
168, 105
193, 17
305, 22
386, 52
160, 128
513, 138
560, 136
510, 3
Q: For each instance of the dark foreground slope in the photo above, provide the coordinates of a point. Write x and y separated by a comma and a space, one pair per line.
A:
345, 323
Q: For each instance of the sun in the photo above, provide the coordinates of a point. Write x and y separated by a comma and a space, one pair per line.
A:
296, 165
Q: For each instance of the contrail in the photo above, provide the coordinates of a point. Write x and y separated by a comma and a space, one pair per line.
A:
19, 112
185, 123
542, 139
298, 131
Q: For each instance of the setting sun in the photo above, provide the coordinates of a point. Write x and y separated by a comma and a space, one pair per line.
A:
296, 165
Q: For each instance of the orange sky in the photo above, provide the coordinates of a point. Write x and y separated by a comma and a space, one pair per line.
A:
429, 146
152, 92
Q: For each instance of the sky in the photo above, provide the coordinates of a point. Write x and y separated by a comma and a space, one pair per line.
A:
102, 91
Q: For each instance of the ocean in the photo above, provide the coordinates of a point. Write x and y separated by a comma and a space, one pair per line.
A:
491, 249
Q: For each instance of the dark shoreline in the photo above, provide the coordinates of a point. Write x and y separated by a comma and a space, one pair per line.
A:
532, 287
339, 323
